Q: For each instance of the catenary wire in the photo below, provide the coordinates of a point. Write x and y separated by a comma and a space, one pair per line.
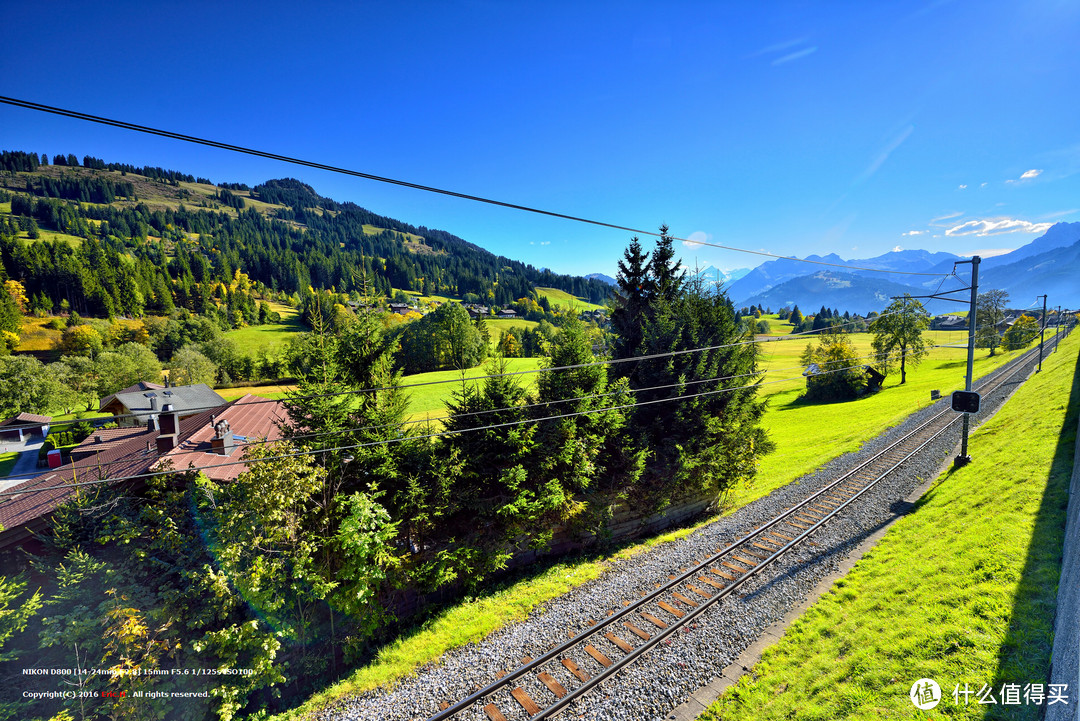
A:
387, 441
403, 183
358, 429
607, 361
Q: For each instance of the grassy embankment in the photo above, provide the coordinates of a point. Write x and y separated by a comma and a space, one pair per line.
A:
962, 590
7, 462
564, 299
845, 427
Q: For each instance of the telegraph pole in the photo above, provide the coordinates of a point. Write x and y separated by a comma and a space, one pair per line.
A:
1042, 333
963, 459
1057, 328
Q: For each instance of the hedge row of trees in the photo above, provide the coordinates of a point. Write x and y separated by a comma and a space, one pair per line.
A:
305, 556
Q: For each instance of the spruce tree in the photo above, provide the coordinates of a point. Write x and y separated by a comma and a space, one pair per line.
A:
630, 300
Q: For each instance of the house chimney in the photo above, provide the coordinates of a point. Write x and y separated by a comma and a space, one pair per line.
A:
153, 402
222, 442
170, 420
166, 443
152, 424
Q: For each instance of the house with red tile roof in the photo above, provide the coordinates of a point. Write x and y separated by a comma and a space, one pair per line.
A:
211, 441
17, 428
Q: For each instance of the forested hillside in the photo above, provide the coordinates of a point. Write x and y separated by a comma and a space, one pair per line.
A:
162, 238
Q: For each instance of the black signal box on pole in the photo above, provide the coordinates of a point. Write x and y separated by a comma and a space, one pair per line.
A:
965, 401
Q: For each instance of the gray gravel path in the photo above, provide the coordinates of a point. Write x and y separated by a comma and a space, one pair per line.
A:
665, 676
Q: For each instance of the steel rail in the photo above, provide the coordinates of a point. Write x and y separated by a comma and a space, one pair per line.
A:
627, 659
634, 606
1005, 373
722, 593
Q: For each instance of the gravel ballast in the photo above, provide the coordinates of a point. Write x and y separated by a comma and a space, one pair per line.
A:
666, 675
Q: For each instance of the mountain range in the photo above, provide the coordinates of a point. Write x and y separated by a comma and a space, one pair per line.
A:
1049, 264
711, 274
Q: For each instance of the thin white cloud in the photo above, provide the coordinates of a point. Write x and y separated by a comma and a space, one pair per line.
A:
947, 216
794, 56
987, 252
963, 186
896, 249
997, 226
885, 152
545, 242
983, 185
699, 235
915, 232
778, 47
1058, 214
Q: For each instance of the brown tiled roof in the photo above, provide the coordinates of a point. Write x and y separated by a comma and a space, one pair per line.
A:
127, 455
24, 418
248, 420
105, 438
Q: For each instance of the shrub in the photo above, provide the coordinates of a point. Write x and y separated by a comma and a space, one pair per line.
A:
839, 375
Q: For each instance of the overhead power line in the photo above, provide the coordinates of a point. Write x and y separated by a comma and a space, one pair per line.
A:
488, 411
126, 458
387, 441
415, 186
101, 466
607, 361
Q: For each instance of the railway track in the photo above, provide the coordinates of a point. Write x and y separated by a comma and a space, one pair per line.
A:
541, 687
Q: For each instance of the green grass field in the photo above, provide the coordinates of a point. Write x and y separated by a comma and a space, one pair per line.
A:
496, 326
271, 392
777, 327
79, 415
254, 338
7, 462
376, 230
426, 402
44, 234
561, 297
429, 402
838, 428
962, 590
835, 429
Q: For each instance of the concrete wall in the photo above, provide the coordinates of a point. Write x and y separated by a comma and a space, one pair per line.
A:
1065, 666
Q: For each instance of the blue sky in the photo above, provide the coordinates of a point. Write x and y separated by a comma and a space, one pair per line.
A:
796, 128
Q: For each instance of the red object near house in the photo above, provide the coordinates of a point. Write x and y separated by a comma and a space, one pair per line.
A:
54, 458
